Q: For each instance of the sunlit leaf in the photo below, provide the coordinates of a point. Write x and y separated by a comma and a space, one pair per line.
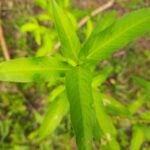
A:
145, 84
105, 123
136, 104
146, 132
89, 28
101, 76
114, 107
69, 40
31, 69
78, 85
105, 23
56, 92
56, 111
45, 4
29, 27
137, 138
123, 31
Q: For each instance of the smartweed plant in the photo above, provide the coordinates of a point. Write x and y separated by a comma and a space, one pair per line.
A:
74, 68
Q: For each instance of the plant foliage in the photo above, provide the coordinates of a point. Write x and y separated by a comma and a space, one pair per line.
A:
88, 108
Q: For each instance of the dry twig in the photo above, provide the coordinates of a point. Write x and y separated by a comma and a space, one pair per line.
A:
3, 44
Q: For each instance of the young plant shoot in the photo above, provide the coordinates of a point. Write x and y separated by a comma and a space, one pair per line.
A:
76, 70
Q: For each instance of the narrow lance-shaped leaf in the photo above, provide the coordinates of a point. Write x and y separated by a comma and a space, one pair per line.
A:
105, 123
136, 104
30, 27
127, 28
145, 84
56, 92
56, 111
105, 23
144, 131
114, 107
137, 138
69, 40
89, 28
31, 69
78, 85
142, 82
101, 77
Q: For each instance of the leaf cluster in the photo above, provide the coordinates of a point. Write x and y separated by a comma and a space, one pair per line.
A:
75, 67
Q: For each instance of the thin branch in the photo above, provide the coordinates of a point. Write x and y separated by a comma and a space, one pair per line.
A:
3, 44
83, 21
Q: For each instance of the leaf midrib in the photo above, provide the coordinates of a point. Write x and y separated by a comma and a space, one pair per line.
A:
82, 116
70, 45
72, 49
30, 70
80, 101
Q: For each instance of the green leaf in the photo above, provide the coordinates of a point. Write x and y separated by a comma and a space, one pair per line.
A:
146, 132
105, 23
114, 107
69, 40
29, 27
44, 17
38, 116
56, 111
137, 138
64, 3
103, 119
78, 86
105, 123
89, 28
135, 105
145, 115
44, 4
101, 77
108, 143
72, 19
142, 82
56, 92
123, 31
31, 69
